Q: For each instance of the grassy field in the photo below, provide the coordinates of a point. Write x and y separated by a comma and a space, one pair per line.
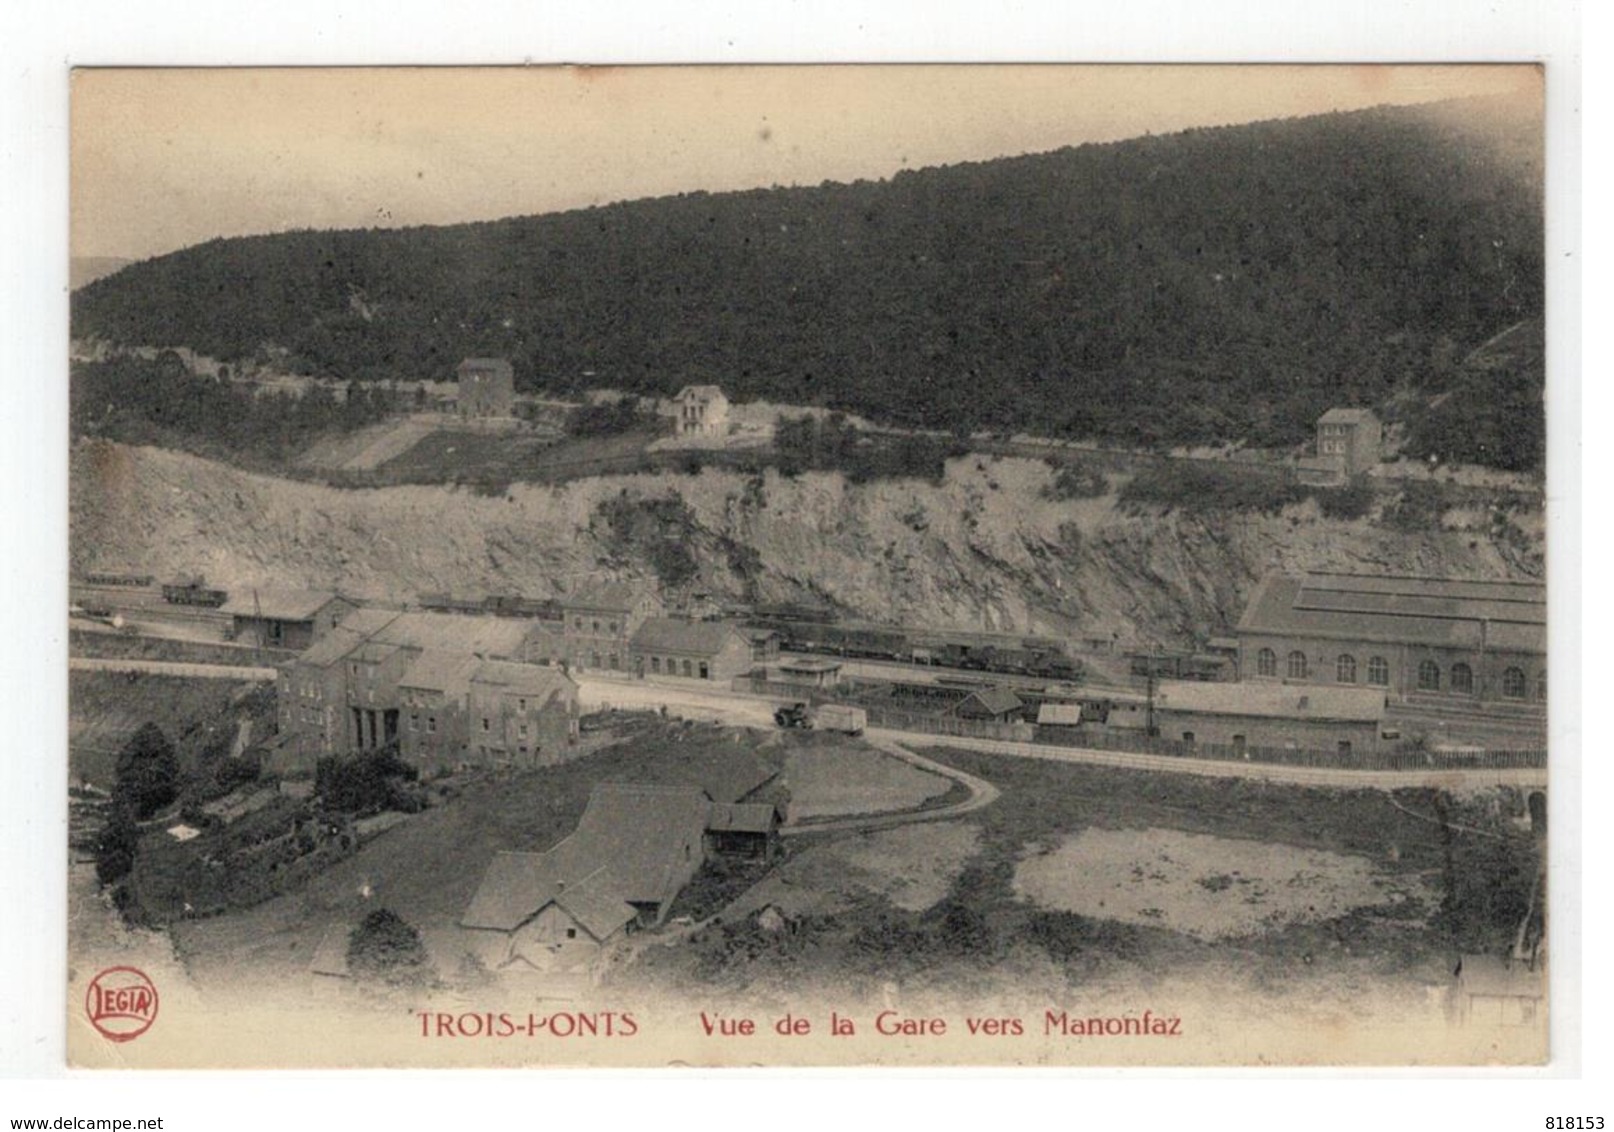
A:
829, 778
1401, 896
468, 457
106, 708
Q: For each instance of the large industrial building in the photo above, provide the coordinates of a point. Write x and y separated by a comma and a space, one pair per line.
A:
1423, 640
444, 690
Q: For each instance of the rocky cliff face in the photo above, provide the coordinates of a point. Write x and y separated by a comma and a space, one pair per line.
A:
986, 549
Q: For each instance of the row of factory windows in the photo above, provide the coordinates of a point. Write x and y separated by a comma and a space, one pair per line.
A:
1515, 685
703, 671
577, 623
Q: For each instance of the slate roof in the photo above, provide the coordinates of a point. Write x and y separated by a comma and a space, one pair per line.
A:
1347, 416
628, 848
381, 631
743, 817
278, 604
517, 886
1331, 702
535, 680
700, 393
499, 365
1059, 715
811, 665
1510, 616
342, 640
453, 632
697, 638
439, 671
993, 701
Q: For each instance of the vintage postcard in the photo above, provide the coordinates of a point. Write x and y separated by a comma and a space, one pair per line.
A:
838, 566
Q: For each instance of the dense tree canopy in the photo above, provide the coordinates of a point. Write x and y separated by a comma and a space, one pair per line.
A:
1218, 284
147, 774
385, 947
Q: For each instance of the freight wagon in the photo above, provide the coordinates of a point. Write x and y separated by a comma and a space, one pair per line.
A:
193, 591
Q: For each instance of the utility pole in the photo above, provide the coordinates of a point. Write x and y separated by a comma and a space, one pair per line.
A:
257, 618
1154, 673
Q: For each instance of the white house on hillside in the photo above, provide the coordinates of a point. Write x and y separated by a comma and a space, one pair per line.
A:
701, 410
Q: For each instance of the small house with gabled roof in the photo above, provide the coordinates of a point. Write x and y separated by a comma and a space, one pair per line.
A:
701, 410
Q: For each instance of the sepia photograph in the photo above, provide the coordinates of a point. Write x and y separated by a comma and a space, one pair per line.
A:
946, 565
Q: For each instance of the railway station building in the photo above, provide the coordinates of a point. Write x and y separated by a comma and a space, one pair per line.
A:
697, 650
1421, 640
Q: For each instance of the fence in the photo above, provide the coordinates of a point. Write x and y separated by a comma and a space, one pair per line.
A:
1399, 759
806, 693
935, 724
1135, 742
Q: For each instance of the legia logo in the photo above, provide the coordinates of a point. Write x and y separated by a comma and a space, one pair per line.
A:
121, 1003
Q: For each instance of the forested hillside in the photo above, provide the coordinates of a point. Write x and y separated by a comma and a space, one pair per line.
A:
1219, 284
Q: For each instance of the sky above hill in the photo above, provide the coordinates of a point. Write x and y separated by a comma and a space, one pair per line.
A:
166, 158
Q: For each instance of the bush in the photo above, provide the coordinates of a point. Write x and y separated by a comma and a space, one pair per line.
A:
806, 444
385, 948
1353, 501
365, 784
1419, 507
229, 773
608, 418
1076, 480
115, 850
1198, 487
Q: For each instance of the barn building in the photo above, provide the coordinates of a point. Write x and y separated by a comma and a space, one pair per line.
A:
1426, 641
284, 619
697, 650
633, 851
485, 388
743, 829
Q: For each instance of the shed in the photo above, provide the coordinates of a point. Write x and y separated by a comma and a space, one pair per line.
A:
285, 619
997, 704
744, 829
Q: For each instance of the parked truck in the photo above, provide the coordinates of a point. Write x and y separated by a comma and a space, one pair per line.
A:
827, 717
841, 717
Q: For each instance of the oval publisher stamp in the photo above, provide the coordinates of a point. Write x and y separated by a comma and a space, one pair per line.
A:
121, 1003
